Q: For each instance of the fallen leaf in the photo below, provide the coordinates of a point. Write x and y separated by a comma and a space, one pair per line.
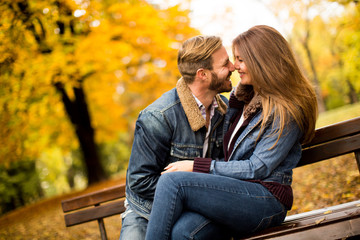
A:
320, 221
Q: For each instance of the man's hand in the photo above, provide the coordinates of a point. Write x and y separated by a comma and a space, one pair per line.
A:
184, 166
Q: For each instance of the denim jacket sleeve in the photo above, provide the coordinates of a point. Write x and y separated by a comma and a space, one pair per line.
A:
264, 158
149, 153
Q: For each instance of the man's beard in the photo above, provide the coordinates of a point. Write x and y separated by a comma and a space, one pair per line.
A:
220, 85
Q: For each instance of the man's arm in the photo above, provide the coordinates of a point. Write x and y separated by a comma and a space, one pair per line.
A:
180, 166
150, 153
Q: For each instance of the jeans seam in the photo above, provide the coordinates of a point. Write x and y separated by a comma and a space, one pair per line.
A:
181, 185
172, 210
193, 233
270, 218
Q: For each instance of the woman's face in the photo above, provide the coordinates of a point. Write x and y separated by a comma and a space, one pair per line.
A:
240, 66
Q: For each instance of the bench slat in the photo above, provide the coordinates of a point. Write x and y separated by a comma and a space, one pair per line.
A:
94, 213
335, 131
330, 150
333, 230
93, 198
323, 211
301, 225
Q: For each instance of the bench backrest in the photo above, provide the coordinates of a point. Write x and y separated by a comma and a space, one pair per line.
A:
94, 199
332, 141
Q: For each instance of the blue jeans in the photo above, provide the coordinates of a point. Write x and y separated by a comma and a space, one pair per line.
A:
240, 206
189, 226
133, 226
192, 225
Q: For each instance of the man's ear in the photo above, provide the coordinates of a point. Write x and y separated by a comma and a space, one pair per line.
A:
201, 74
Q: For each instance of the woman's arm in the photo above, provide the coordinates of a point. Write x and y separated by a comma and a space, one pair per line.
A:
265, 157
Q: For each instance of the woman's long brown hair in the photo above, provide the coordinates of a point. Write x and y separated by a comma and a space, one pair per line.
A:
277, 78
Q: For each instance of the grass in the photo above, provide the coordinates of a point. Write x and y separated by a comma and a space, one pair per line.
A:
338, 115
315, 186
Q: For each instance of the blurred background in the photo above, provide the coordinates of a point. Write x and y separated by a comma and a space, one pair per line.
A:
74, 75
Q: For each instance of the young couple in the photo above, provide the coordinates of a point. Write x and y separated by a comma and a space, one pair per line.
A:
203, 167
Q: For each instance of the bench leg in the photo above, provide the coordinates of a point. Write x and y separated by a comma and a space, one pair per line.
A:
102, 229
357, 156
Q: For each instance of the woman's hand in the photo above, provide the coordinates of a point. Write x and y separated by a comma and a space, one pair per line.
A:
184, 166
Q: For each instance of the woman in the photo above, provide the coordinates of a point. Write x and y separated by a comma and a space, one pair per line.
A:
272, 112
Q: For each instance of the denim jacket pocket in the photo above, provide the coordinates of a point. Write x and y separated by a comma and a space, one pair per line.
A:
182, 152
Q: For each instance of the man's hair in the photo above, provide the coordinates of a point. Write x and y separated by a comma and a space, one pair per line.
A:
196, 53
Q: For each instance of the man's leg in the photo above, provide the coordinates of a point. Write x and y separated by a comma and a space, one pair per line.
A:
133, 226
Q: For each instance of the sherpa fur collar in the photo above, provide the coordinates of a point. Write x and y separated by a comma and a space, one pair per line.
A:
191, 108
246, 94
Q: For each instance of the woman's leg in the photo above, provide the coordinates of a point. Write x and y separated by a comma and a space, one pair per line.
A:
193, 226
239, 205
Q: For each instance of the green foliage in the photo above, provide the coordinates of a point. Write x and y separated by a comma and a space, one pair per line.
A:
116, 154
19, 185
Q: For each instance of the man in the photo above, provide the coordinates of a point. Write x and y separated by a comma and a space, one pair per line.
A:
184, 123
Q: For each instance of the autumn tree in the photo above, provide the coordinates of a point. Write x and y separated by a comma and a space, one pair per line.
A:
302, 33
320, 32
345, 48
83, 65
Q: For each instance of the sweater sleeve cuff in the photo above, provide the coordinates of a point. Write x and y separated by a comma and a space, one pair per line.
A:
202, 165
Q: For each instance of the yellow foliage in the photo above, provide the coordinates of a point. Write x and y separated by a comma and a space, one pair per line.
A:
336, 181
327, 44
122, 52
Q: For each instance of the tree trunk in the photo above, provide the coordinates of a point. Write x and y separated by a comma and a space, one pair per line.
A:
77, 110
352, 92
320, 100
78, 113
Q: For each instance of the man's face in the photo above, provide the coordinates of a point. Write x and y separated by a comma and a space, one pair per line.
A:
222, 70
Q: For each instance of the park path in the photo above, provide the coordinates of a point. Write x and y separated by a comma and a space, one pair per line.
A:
44, 220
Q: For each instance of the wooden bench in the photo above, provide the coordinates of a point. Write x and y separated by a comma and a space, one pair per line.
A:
87, 207
337, 222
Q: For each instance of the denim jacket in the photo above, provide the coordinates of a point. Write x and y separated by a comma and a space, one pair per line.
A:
255, 158
169, 130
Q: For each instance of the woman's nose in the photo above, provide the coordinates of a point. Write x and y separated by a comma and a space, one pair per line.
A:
237, 65
232, 67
